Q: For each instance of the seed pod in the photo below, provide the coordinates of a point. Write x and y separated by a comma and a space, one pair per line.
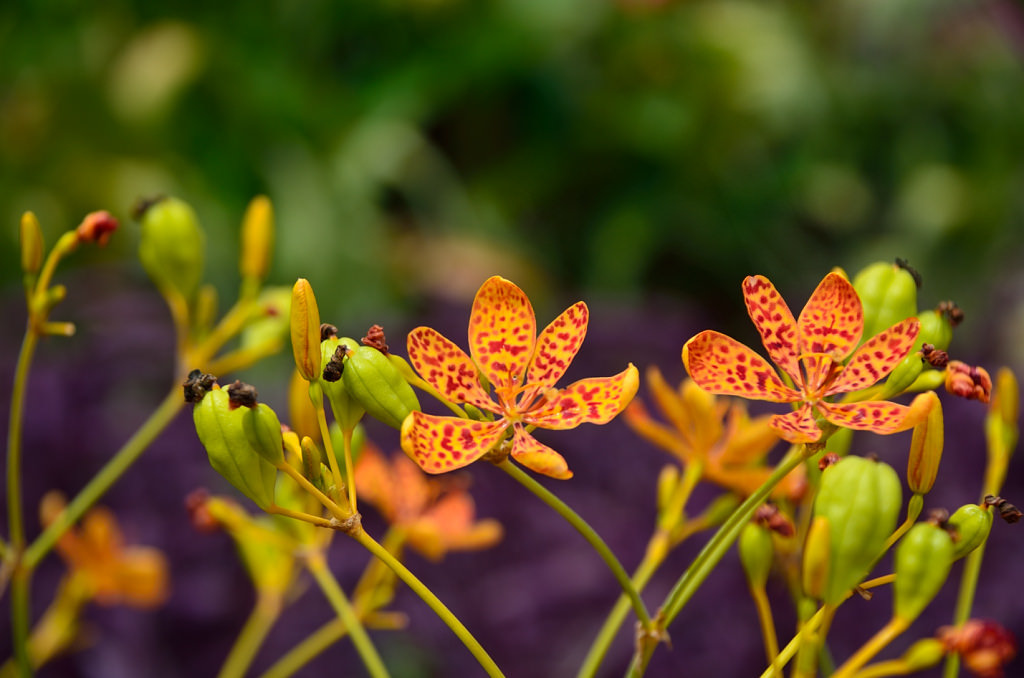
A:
257, 239
221, 430
888, 294
263, 429
903, 376
861, 501
374, 382
926, 447
923, 559
972, 524
936, 329
305, 330
171, 246
755, 547
32, 247
347, 411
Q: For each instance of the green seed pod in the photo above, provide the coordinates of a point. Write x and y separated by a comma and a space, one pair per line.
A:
347, 411
903, 376
376, 384
861, 501
171, 246
263, 429
888, 294
926, 447
755, 547
817, 550
972, 523
935, 330
221, 430
31, 240
923, 559
923, 654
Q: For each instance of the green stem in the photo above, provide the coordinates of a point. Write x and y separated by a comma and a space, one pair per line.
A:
307, 650
914, 507
309, 487
964, 602
106, 477
432, 601
876, 644
715, 550
316, 396
256, 628
767, 622
316, 564
588, 533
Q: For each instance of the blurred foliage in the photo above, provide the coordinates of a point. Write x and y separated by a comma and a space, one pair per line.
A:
625, 146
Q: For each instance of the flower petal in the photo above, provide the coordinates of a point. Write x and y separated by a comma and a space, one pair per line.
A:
775, 323
877, 357
722, 365
798, 426
537, 456
440, 444
879, 416
833, 319
447, 368
557, 346
595, 401
502, 332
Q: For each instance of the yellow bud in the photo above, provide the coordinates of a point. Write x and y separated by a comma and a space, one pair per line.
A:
816, 557
1006, 398
31, 243
300, 409
926, 446
257, 238
305, 330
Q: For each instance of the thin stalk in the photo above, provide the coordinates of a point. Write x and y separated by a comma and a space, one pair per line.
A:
106, 477
808, 656
307, 650
787, 652
316, 395
657, 550
317, 566
346, 444
892, 667
257, 626
588, 533
309, 487
767, 622
964, 602
914, 507
319, 521
432, 601
876, 644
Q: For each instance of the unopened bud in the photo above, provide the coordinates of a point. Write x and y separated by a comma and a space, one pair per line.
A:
257, 238
31, 240
968, 382
971, 525
923, 559
926, 447
96, 227
305, 330
171, 245
923, 654
755, 547
817, 549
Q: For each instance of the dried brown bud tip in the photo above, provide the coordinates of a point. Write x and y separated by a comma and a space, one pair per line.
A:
951, 311
375, 339
1007, 511
902, 263
335, 366
829, 459
935, 357
768, 516
327, 331
96, 227
197, 385
242, 394
198, 513
938, 517
143, 204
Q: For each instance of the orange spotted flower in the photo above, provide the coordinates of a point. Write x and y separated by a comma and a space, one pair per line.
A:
812, 352
434, 519
523, 368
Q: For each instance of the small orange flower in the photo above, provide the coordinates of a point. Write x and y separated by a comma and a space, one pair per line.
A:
811, 351
115, 574
435, 521
715, 432
984, 645
523, 368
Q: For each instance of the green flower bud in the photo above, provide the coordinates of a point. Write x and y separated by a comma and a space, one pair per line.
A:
936, 329
888, 294
923, 654
971, 524
755, 547
668, 480
347, 411
305, 330
923, 559
263, 429
221, 430
374, 382
312, 463
171, 246
861, 499
32, 247
926, 447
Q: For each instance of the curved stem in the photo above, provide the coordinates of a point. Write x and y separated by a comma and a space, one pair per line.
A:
875, 644
767, 622
307, 650
914, 507
316, 564
316, 396
432, 601
256, 628
309, 487
588, 533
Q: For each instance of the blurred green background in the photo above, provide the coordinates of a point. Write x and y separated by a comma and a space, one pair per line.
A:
611, 147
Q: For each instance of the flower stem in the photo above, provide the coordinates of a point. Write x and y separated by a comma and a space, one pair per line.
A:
876, 644
316, 564
432, 601
257, 626
764, 616
309, 487
316, 395
588, 533
307, 650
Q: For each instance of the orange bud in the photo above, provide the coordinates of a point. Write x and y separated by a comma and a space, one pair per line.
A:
96, 227
926, 447
257, 238
305, 330
965, 381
